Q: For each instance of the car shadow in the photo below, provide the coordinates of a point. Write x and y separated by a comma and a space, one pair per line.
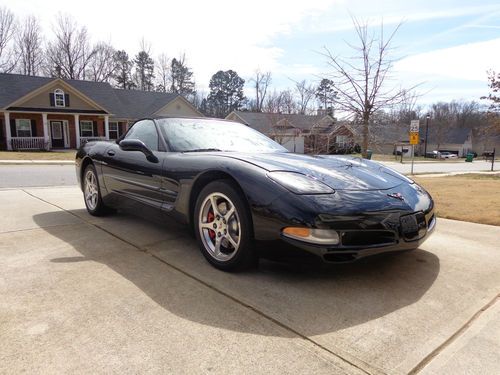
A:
312, 297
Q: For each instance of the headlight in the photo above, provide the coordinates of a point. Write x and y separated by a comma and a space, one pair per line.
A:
299, 183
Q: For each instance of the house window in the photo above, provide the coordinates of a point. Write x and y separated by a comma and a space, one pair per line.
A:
59, 98
341, 140
86, 128
23, 128
113, 130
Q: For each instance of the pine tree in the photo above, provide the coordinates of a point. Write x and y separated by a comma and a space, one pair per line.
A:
325, 93
226, 93
123, 76
144, 71
181, 78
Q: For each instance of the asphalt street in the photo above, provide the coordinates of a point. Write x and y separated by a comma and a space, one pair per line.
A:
120, 294
442, 167
36, 175
64, 175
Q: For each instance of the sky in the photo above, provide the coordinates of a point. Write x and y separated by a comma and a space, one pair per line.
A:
444, 46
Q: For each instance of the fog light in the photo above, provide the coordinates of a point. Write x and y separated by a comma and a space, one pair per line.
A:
297, 232
316, 236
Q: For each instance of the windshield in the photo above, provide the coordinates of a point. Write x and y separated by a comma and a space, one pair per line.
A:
193, 135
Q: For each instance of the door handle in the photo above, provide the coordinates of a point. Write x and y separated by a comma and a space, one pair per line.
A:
111, 153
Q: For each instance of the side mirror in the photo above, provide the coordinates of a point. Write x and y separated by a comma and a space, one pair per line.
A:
138, 145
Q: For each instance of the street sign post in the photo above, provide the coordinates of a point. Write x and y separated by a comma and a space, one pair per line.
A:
414, 128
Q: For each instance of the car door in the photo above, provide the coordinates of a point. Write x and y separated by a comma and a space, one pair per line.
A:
129, 174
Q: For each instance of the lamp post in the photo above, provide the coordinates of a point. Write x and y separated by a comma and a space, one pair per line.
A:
426, 133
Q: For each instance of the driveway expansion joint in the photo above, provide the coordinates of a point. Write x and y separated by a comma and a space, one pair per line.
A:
428, 359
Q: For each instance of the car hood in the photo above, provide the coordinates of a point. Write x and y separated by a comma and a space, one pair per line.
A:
338, 172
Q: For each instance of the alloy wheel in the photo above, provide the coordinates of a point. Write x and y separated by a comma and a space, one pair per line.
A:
219, 226
91, 190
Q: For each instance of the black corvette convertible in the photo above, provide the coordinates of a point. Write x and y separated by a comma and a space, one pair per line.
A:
234, 186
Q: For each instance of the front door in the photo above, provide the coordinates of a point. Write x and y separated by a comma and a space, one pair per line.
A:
57, 134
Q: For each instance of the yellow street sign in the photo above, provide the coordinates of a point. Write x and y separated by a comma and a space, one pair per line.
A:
414, 138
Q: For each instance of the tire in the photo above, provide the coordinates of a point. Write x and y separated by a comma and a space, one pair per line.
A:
92, 193
225, 235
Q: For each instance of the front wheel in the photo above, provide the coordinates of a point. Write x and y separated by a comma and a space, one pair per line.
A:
223, 227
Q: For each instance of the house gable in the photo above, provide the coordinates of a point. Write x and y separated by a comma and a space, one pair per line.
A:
178, 107
41, 99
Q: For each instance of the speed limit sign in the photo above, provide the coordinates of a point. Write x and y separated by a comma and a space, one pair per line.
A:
414, 126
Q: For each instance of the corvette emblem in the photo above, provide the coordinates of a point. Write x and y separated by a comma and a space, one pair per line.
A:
396, 196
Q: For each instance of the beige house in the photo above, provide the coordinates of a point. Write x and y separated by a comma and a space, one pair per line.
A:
51, 113
298, 133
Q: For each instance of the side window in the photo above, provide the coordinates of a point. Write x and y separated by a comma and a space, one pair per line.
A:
145, 131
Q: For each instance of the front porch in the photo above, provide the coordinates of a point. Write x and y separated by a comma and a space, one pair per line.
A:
50, 131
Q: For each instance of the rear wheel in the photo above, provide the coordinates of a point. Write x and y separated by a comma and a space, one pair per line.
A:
92, 193
223, 227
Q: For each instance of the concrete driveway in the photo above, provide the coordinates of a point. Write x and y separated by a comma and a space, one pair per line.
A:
122, 295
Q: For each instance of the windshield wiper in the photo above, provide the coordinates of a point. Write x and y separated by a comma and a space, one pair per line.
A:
202, 150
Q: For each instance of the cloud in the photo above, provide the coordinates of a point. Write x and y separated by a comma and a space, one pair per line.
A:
465, 62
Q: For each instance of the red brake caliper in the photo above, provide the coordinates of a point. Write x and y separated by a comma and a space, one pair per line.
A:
210, 218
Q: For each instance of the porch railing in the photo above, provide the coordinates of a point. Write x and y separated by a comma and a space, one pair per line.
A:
84, 140
28, 143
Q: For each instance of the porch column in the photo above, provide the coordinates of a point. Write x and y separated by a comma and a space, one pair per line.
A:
46, 138
106, 127
8, 135
77, 130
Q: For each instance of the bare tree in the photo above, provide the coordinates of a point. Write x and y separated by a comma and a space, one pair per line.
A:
8, 59
406, 110
362, 80
280, 102
287, 102
102, 65
29, 46
163, 73
69, 54
261, 83
305, 93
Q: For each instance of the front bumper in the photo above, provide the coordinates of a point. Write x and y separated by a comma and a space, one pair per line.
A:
357, 244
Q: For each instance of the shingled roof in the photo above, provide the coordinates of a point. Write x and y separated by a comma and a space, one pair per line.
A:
130, 104
264, 122
449, 135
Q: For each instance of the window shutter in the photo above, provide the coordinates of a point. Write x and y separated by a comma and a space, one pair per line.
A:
13, 130
52, 99
66, 100
94, 125
121, 128
33, 128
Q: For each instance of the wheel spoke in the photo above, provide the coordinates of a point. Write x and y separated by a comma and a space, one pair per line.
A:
213, 201
231, 240
217, 246
207, 226
229, 213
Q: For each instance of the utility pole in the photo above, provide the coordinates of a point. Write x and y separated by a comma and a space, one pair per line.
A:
493, 160
426, 133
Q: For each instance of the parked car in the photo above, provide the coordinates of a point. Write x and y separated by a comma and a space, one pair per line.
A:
447, 155
432, 154
234, 186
